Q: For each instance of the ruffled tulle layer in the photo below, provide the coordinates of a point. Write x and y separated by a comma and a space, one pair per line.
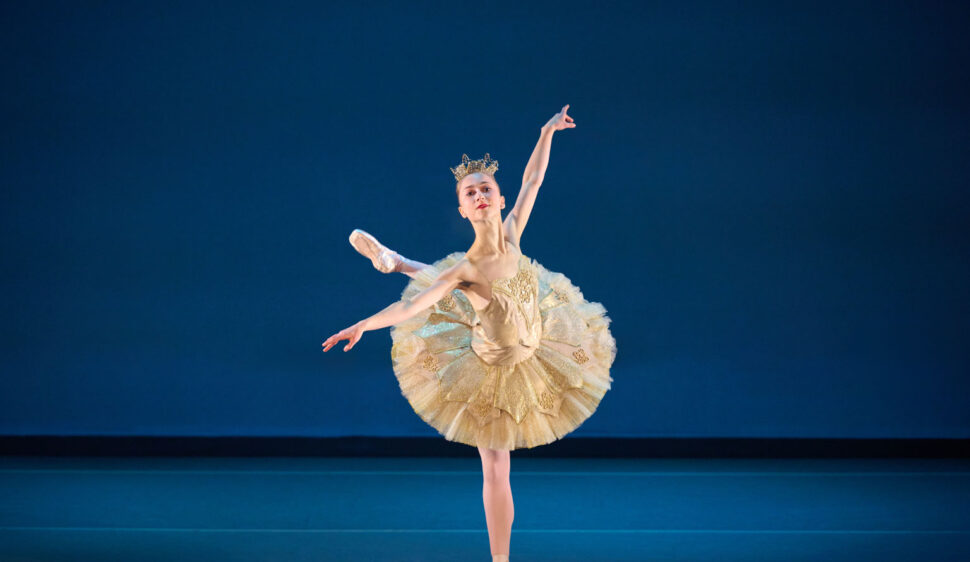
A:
533, 402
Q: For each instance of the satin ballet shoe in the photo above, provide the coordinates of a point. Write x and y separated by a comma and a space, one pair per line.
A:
500, 558
384, 259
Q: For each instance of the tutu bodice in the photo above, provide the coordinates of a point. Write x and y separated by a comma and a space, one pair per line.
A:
508, 329
525, 370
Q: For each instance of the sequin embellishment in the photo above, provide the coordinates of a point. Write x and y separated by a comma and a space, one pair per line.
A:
447, 303
482, 408
580, 356
431, 363
522, 286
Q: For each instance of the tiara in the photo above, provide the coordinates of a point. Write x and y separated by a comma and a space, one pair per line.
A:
486, 166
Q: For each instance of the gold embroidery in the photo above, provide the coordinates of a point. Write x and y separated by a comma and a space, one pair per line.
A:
523, 286
546, 400
447, 303
561, 295
482, 408
431, 363
580, 356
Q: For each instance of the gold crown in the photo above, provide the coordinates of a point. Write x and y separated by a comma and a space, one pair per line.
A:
486, 166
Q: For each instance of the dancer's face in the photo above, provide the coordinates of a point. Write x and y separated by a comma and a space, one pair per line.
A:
476, 190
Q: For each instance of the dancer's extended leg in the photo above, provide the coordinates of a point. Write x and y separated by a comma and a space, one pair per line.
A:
409, 267
383, 258
497, 493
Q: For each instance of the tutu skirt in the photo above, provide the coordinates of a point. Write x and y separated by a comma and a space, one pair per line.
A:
532, 402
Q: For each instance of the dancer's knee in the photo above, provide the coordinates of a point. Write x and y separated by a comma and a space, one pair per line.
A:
495, 465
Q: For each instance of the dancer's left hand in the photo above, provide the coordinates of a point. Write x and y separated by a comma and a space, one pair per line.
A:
560, 120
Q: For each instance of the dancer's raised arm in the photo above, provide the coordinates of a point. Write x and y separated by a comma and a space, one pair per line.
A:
535, 170
444, 283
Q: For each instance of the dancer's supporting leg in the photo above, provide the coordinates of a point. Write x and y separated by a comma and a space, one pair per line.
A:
383, 258
497, 493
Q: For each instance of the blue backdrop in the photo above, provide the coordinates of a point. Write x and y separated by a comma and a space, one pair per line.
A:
770, 201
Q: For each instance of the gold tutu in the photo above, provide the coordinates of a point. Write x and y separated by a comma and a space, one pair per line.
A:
524, 371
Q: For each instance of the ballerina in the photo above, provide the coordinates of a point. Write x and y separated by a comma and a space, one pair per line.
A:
489, 347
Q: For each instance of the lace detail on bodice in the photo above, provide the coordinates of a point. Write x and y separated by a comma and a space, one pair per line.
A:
509, 328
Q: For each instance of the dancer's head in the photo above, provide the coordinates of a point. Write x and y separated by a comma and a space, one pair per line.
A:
476, 186
479, 189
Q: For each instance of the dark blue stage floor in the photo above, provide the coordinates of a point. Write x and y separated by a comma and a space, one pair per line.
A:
430, 509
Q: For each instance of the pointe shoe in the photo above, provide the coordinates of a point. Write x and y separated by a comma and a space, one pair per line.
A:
384, 259
500, 558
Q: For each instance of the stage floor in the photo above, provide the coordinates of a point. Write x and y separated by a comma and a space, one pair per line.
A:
430, 509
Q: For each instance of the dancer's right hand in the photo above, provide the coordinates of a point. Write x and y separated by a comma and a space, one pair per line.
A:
560, 120
352, 333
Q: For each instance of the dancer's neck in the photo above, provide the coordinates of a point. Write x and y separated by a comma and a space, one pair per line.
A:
489, 239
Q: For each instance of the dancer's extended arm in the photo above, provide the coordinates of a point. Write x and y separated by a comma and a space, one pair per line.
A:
400, 311
535, 171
